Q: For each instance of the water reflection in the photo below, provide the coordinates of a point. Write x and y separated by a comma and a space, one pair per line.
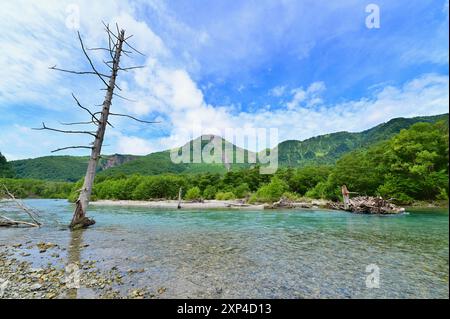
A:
74, 263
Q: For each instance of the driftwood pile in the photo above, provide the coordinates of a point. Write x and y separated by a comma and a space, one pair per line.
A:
368, 205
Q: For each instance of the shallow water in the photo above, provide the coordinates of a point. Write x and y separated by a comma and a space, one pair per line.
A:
256, 254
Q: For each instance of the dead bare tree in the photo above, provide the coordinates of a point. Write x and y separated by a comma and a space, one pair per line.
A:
118, 45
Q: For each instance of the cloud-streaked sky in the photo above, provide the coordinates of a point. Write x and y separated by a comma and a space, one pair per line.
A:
305, 67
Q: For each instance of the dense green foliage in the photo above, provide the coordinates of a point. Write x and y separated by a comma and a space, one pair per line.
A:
225, 196
30, 188
412, 165
320, 150
139, 187
270, 192
54, 168
6, 170
231, 185
63, 168
193, 193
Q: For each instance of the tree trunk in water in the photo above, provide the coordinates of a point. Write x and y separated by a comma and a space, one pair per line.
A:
346, 201
79, 219
179, 198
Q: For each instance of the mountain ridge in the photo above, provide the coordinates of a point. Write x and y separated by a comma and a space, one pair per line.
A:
317, 150
326, 148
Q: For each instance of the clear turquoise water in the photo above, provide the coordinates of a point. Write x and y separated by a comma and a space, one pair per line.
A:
258, 254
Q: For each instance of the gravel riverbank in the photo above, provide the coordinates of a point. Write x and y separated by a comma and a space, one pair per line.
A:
58, 278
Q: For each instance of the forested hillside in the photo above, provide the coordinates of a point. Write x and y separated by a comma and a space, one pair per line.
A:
5, 167
326, 149
63, 168
412, 165
160, 162
320, 150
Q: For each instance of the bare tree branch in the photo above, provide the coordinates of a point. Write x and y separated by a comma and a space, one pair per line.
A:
106, 121
118, 87
63, 131
85, 108
107, 64
108, 30
78, 72
132, 48
124, 40
133, 67
126, 54
98, 49
131, 117
79, 123
90, 61
124, 98
71, 147
110, 42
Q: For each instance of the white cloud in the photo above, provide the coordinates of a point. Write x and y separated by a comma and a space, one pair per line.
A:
277, 91
426, 95
133, 145
309, 97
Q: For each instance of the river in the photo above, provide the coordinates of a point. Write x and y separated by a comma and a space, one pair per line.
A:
255, 254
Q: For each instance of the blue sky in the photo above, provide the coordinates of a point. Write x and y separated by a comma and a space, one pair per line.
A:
304, 67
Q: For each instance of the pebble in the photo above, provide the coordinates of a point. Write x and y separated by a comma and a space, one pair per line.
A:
35, 287
162, 290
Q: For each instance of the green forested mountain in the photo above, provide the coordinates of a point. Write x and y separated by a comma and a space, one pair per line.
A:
160, 162
63, 168
324, 149
5, 168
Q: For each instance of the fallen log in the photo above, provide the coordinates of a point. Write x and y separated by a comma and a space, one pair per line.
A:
8, 222
13, 205
367, 205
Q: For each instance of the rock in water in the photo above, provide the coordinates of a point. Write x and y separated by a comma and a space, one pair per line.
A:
368, 205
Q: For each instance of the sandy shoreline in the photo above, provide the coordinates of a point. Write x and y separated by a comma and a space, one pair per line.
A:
207, 204
173, 204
